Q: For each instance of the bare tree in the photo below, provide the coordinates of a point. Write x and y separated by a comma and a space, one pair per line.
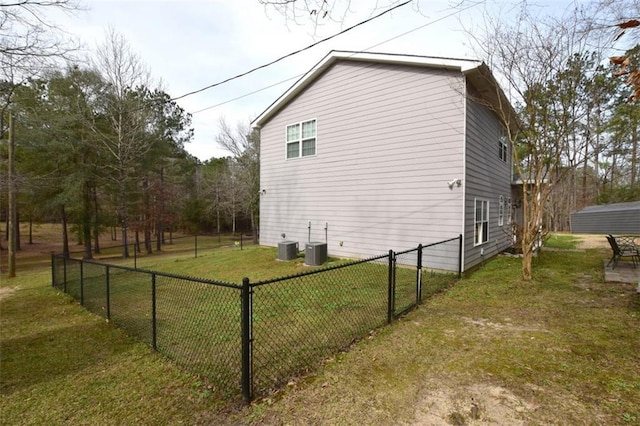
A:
533, 57
29, 42
244, 145
318, 13
128, 116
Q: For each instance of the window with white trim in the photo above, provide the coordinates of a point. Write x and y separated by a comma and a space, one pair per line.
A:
503, 145
301, 139
509, 207
481, 223
501, 211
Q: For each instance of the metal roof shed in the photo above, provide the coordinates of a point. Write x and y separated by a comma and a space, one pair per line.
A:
619, 218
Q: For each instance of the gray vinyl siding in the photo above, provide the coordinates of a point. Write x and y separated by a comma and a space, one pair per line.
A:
389, 138
487, 177
616, 219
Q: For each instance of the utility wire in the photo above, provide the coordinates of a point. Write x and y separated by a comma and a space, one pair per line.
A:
247, 94
289, 54
299, 75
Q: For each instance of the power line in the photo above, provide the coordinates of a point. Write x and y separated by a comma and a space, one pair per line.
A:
289, 54
299, 75
247, 94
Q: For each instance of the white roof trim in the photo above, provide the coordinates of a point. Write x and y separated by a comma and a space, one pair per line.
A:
463, 65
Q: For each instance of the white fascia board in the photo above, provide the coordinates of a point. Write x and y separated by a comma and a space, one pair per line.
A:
428, 61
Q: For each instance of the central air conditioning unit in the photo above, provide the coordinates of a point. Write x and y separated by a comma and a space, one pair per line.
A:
287, 250
315, 253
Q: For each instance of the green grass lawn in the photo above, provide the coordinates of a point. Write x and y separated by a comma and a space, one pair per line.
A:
563, 347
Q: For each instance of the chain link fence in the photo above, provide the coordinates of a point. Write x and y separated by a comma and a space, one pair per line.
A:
193, 321
248, 339
299, 320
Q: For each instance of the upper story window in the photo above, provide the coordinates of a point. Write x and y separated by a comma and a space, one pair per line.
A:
301, 139
503, 145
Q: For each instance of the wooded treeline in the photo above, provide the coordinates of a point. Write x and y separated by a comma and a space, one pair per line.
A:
100, 146
598, 133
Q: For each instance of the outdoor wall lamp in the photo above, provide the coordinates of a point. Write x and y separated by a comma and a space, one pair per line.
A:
456, 182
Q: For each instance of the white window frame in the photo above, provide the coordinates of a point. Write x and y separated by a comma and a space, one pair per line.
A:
509, 207
503, 145
300, 139
501, 211
480, 227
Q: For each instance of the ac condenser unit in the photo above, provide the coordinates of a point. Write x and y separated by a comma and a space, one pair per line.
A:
287, 250
315, 253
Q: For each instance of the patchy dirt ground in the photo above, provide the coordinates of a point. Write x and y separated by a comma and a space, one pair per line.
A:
478, 404
592, 241
6, 292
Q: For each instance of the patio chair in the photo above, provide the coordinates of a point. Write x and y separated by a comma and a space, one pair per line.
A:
619, 252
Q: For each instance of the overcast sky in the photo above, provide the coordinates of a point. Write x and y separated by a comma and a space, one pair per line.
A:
191, 44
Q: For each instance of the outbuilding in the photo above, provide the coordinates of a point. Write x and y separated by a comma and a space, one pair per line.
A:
618, 218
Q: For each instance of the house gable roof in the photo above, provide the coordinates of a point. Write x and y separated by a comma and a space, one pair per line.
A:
477, 73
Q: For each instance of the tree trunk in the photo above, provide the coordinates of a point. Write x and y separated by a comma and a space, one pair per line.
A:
634, 154
147, 241
86, 221
137, 242
254, 229
12, 228
527, 254
122, 212
96, 223
218, 211
146, 216
160, 213
17, 213
585, 167
65, 235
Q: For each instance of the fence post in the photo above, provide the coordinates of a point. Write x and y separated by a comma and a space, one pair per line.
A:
135, 257
392, 291
247, 342
108, 291
154, 323
196, 245
81, 283
419, 276
241, 241
460, 256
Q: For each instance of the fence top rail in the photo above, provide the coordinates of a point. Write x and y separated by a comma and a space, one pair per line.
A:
405, 251
319, 270
157, 273
426, 245
263, 282
441, 242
